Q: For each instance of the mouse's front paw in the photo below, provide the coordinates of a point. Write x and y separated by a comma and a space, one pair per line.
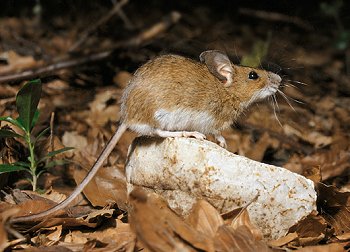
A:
221, 141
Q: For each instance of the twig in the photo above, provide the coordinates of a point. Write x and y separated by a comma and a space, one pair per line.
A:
151, 32
136, 41
31, 73
51, 132
274, 16
123, 16
100, 22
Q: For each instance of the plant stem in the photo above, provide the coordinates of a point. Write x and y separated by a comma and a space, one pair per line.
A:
32, 161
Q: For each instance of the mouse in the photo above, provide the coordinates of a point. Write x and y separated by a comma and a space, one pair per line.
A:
175, 96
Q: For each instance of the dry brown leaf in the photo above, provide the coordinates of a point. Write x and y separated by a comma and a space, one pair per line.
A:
335, 207
205, 218
48, 249
97, 215
294, 164
35, 206
333, 247
16, 62
258, 150
122, 79
48, 236
239, 240
344, 237
160, 229
283, 240
3, 236
243, 220
100, 110
54, 196
117, 235
73, 139
314, 174
311, 230
332, 162
109, 185
91, 220
310, 241
313, 137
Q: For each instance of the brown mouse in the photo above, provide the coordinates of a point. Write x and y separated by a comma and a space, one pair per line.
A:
174, 96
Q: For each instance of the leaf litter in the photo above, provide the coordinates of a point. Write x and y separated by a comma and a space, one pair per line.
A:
313, 141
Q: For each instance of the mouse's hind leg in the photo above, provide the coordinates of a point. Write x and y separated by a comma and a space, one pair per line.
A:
166, 133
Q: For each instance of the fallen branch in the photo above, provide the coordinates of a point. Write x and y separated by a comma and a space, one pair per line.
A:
100, 22
34, 72
143, 37
274, 16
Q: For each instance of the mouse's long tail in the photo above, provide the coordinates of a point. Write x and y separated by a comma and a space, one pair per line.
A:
105, 153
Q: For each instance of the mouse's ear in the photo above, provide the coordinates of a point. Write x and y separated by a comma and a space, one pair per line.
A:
219, 65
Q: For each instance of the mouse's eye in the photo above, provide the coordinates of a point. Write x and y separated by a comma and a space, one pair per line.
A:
253, 75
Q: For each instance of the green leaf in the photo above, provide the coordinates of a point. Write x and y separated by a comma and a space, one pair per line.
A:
258, 53
41, 134
331, 9
27, 101
10, 168
53, 153
12, 121
35, 118
8, 133
343, 40
56, 162
20, 163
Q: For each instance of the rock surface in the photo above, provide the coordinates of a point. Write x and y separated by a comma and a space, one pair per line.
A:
183, 170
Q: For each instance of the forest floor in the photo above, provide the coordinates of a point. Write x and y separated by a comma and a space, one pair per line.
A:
85, 57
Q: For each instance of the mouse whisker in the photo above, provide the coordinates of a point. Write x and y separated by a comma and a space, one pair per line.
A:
298, 82
288, 101
292, 68
289, 85
290, 98
273, 101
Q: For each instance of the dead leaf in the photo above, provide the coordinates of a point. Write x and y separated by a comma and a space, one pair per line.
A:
73, 139
258, 151
122, 79
311, 230
283, 240
240, 240
160, 229
116, 235
243, 220
343, 237
16, 62
101, 111
334, 207
48, 236
109, 185
314, 174
205, 218
333, 247
332, 163
313, 137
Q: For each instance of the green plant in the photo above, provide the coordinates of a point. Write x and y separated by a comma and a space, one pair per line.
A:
258, 53
27, 100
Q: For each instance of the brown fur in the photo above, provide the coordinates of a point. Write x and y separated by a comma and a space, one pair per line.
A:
171, 82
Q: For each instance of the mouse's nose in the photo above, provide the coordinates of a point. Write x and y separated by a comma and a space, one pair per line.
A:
275, 78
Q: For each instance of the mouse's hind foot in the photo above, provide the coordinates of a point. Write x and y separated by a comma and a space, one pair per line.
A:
166, 133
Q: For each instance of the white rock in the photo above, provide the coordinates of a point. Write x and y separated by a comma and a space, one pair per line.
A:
185, 169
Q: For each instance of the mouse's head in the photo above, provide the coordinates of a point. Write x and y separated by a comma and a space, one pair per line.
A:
247, 83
